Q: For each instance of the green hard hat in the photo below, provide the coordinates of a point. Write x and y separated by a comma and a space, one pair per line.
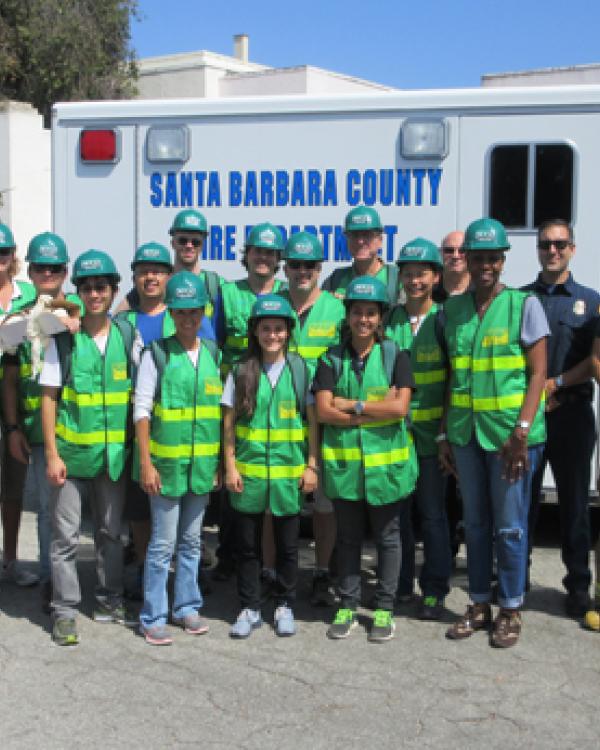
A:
94, 263
303, 246
189, 221
366, 289
152, 252
185, 291
47, 248
272, 306
420, 250
486, 234
361, 219
265, 235
7, 241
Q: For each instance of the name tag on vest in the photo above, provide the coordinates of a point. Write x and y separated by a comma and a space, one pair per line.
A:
213, 387
119, 371
322, 330
287, 410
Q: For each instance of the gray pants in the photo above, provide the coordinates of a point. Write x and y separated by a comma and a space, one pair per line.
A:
106, 500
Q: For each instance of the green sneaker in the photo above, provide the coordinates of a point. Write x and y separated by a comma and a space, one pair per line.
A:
105, 612
343, 622
383, 626
64, 632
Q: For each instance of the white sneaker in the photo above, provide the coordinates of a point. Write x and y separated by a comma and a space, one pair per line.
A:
15, 574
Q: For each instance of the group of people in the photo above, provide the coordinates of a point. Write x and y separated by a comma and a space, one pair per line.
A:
375, 391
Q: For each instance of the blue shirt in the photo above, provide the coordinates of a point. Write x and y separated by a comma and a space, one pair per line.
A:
150, 327
572, 311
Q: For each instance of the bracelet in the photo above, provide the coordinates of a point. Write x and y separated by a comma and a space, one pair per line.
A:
441, 437
312, 468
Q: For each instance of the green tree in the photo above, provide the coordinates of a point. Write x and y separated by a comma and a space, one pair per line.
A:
65, 50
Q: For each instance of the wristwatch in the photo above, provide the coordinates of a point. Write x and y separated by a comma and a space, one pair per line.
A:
524, 425
359, 407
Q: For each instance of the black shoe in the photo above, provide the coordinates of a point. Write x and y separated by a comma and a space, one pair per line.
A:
577, 604
322, 590
432, 608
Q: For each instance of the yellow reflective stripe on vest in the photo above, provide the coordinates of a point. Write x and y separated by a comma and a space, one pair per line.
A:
427, 378
386, 458
25, 370
95, 399
341, 454
486, 364
272, 472
461, 363
33, 403
237, 342
493, 403
183, 451
261, 435
308, 352
426, 415
186, 414
91, 438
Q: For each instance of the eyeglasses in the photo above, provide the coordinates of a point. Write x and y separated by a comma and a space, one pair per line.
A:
308, 265
449, 250
47, 268
194, 241
100, 287
6, 251
558, 244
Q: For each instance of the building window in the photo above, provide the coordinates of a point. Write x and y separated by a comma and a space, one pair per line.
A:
530, 183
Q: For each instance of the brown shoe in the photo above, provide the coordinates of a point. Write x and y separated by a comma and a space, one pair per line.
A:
507, 628
477, 617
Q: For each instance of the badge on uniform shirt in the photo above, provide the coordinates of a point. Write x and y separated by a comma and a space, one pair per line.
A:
579, 307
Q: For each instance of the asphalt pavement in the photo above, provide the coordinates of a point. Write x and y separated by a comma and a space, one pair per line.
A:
418, 690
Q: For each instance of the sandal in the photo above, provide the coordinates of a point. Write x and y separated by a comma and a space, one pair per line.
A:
507, 628
477, 617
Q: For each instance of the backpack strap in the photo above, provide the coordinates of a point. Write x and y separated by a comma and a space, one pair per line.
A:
334, 357
158, 350
439, 324
393, 282
389, 352
212, 349
133, 299
127, 331
330, 284
64, 351
299, 372
213, 285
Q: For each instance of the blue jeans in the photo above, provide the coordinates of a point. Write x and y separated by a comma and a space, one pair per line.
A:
176, 526
495, 510
38, 483
430, 496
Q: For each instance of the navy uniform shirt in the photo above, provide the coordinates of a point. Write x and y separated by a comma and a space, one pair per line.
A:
573, 316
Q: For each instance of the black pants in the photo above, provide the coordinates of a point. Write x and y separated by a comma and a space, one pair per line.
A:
351, 518
248, 528
569, 448
226, 549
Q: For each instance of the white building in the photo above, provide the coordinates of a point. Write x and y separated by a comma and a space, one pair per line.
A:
569, 76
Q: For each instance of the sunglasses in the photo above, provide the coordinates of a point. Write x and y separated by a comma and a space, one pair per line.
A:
194, 241
296, 265
100, 287
558, 244
6, 251
47, 268
449, 250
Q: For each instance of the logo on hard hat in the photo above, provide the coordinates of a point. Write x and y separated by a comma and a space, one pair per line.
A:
485, 235
271, 305
49, 250
304, 248
413, 251
195, 221
91, 264
268, 236
361, 219
186, 292
364, 289
151, 252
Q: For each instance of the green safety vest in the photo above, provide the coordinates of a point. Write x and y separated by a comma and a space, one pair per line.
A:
271, 450
489, 376
168, 328
30, 391
27, 298
93, 412
185, 430
238, 300
320, 330
430, 374
375, 462
339, 280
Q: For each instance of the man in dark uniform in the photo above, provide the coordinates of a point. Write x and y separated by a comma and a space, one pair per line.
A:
573, 313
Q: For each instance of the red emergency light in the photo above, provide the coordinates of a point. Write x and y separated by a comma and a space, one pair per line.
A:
98, 146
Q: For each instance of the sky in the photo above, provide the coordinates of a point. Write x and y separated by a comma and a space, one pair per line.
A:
426, 44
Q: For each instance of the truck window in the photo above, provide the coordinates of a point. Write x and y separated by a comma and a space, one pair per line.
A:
516, 203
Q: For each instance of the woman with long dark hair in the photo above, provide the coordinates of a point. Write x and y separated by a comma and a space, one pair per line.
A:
269, 463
